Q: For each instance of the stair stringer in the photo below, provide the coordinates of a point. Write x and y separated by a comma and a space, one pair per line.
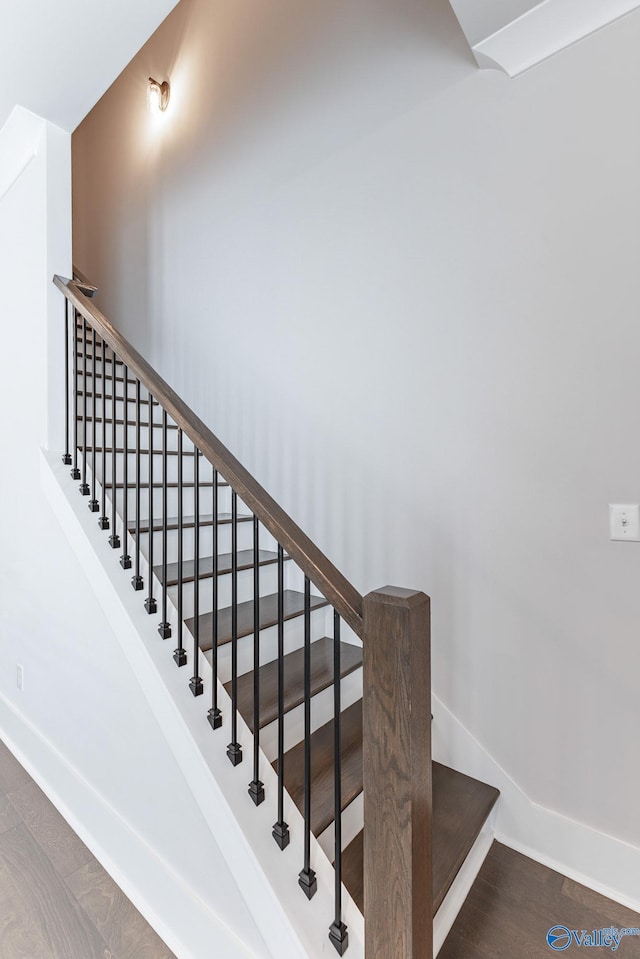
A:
605, 864
291, 926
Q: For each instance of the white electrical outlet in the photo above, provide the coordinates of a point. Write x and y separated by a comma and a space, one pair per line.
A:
20, 677
624, 522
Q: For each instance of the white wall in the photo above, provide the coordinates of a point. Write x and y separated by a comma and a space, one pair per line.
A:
405, 293
81, 702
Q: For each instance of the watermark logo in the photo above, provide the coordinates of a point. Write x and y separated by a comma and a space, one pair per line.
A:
560, 938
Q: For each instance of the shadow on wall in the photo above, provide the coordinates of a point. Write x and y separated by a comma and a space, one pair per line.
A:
260, 94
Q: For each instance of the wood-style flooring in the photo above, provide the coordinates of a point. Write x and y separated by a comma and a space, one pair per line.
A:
56, 900
514, 903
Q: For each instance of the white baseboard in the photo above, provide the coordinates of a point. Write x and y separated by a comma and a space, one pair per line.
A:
189, 927
603, 863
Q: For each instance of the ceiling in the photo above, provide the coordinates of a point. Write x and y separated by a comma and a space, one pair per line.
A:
57, 59
515, 35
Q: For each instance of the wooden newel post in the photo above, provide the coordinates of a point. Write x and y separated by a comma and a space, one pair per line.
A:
397, 775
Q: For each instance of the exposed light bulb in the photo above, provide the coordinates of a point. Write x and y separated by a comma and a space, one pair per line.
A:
158, 96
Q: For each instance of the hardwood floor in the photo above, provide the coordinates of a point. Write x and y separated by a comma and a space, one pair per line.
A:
56, 900
515, 902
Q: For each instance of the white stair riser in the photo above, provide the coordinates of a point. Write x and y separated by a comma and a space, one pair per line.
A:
102, 432
245, 541
172, 469
294, 639
352, 824
268, 586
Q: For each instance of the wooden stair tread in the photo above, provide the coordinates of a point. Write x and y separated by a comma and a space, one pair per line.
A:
353, 870
461, 806
293, 606
118, 399
321, 678
102, 376
98, 358
188, 522
133, 452
100, 419
145, 485
322, 766
245, 561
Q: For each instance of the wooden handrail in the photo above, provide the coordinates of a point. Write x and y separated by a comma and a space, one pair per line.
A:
81, 281
344, 598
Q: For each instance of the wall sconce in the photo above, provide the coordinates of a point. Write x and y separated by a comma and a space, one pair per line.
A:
158, 95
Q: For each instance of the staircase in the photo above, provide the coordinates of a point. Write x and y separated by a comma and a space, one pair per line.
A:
331, 688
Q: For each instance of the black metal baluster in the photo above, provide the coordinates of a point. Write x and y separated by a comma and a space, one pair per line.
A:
215, 716
137, 581
84, 486
103, 522
94, 505
307, 877
195, 683
150, 603
338, 933
164, 628
256, 788
179, 654
234, 749
125, 559
281, 829
66, 458
114, 539
75, 472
